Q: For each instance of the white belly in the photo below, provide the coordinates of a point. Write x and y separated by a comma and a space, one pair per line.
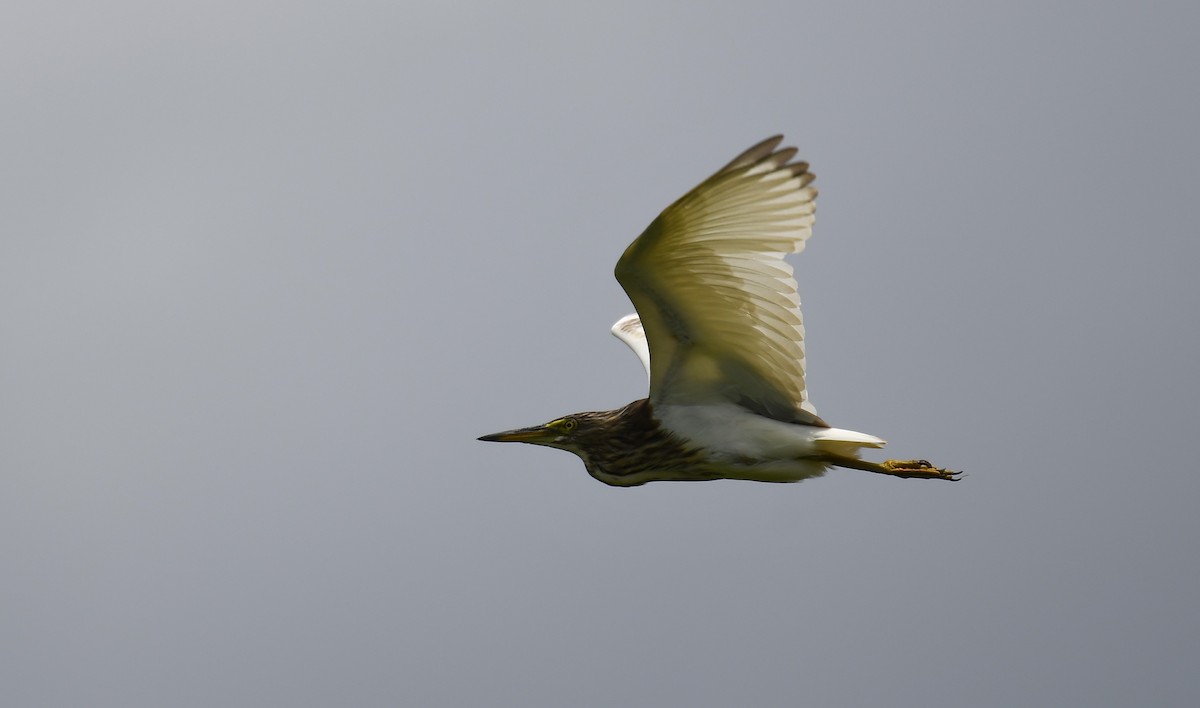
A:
730, 430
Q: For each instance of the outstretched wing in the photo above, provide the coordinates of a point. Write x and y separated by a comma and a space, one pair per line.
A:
628, 329
717, 299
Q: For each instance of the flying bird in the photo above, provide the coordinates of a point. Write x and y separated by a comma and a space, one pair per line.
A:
719, 330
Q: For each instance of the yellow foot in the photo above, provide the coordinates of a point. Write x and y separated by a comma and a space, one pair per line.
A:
918, 469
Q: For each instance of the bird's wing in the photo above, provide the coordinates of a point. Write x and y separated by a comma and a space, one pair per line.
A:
628, 329
715, 295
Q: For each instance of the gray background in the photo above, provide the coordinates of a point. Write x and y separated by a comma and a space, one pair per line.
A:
268, 269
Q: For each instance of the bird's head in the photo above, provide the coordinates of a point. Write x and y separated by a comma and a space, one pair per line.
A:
574, 433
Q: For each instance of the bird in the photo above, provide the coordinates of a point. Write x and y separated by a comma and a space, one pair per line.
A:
719, 331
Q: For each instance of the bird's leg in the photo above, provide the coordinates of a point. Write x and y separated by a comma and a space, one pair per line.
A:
908, 469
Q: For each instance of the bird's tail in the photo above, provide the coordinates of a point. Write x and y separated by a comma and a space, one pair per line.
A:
844, 443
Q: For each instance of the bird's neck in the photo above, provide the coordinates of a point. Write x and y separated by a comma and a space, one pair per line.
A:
638, 445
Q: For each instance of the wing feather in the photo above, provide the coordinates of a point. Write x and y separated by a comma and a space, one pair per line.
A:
716, 299
628, 329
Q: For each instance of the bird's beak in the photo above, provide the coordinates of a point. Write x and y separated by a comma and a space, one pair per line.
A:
538, 434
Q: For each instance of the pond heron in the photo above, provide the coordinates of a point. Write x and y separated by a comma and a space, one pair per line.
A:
719, 331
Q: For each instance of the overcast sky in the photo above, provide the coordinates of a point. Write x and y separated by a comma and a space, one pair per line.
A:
268, 269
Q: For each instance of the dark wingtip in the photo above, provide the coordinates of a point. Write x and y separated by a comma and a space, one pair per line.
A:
754, 154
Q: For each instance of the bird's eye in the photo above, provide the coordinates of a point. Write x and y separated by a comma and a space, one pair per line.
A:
569, 425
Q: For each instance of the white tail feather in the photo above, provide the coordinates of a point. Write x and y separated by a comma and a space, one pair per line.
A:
844, 442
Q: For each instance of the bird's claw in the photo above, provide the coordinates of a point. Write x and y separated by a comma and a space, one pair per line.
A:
919, 469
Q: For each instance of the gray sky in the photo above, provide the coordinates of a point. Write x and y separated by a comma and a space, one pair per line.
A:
268, 269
